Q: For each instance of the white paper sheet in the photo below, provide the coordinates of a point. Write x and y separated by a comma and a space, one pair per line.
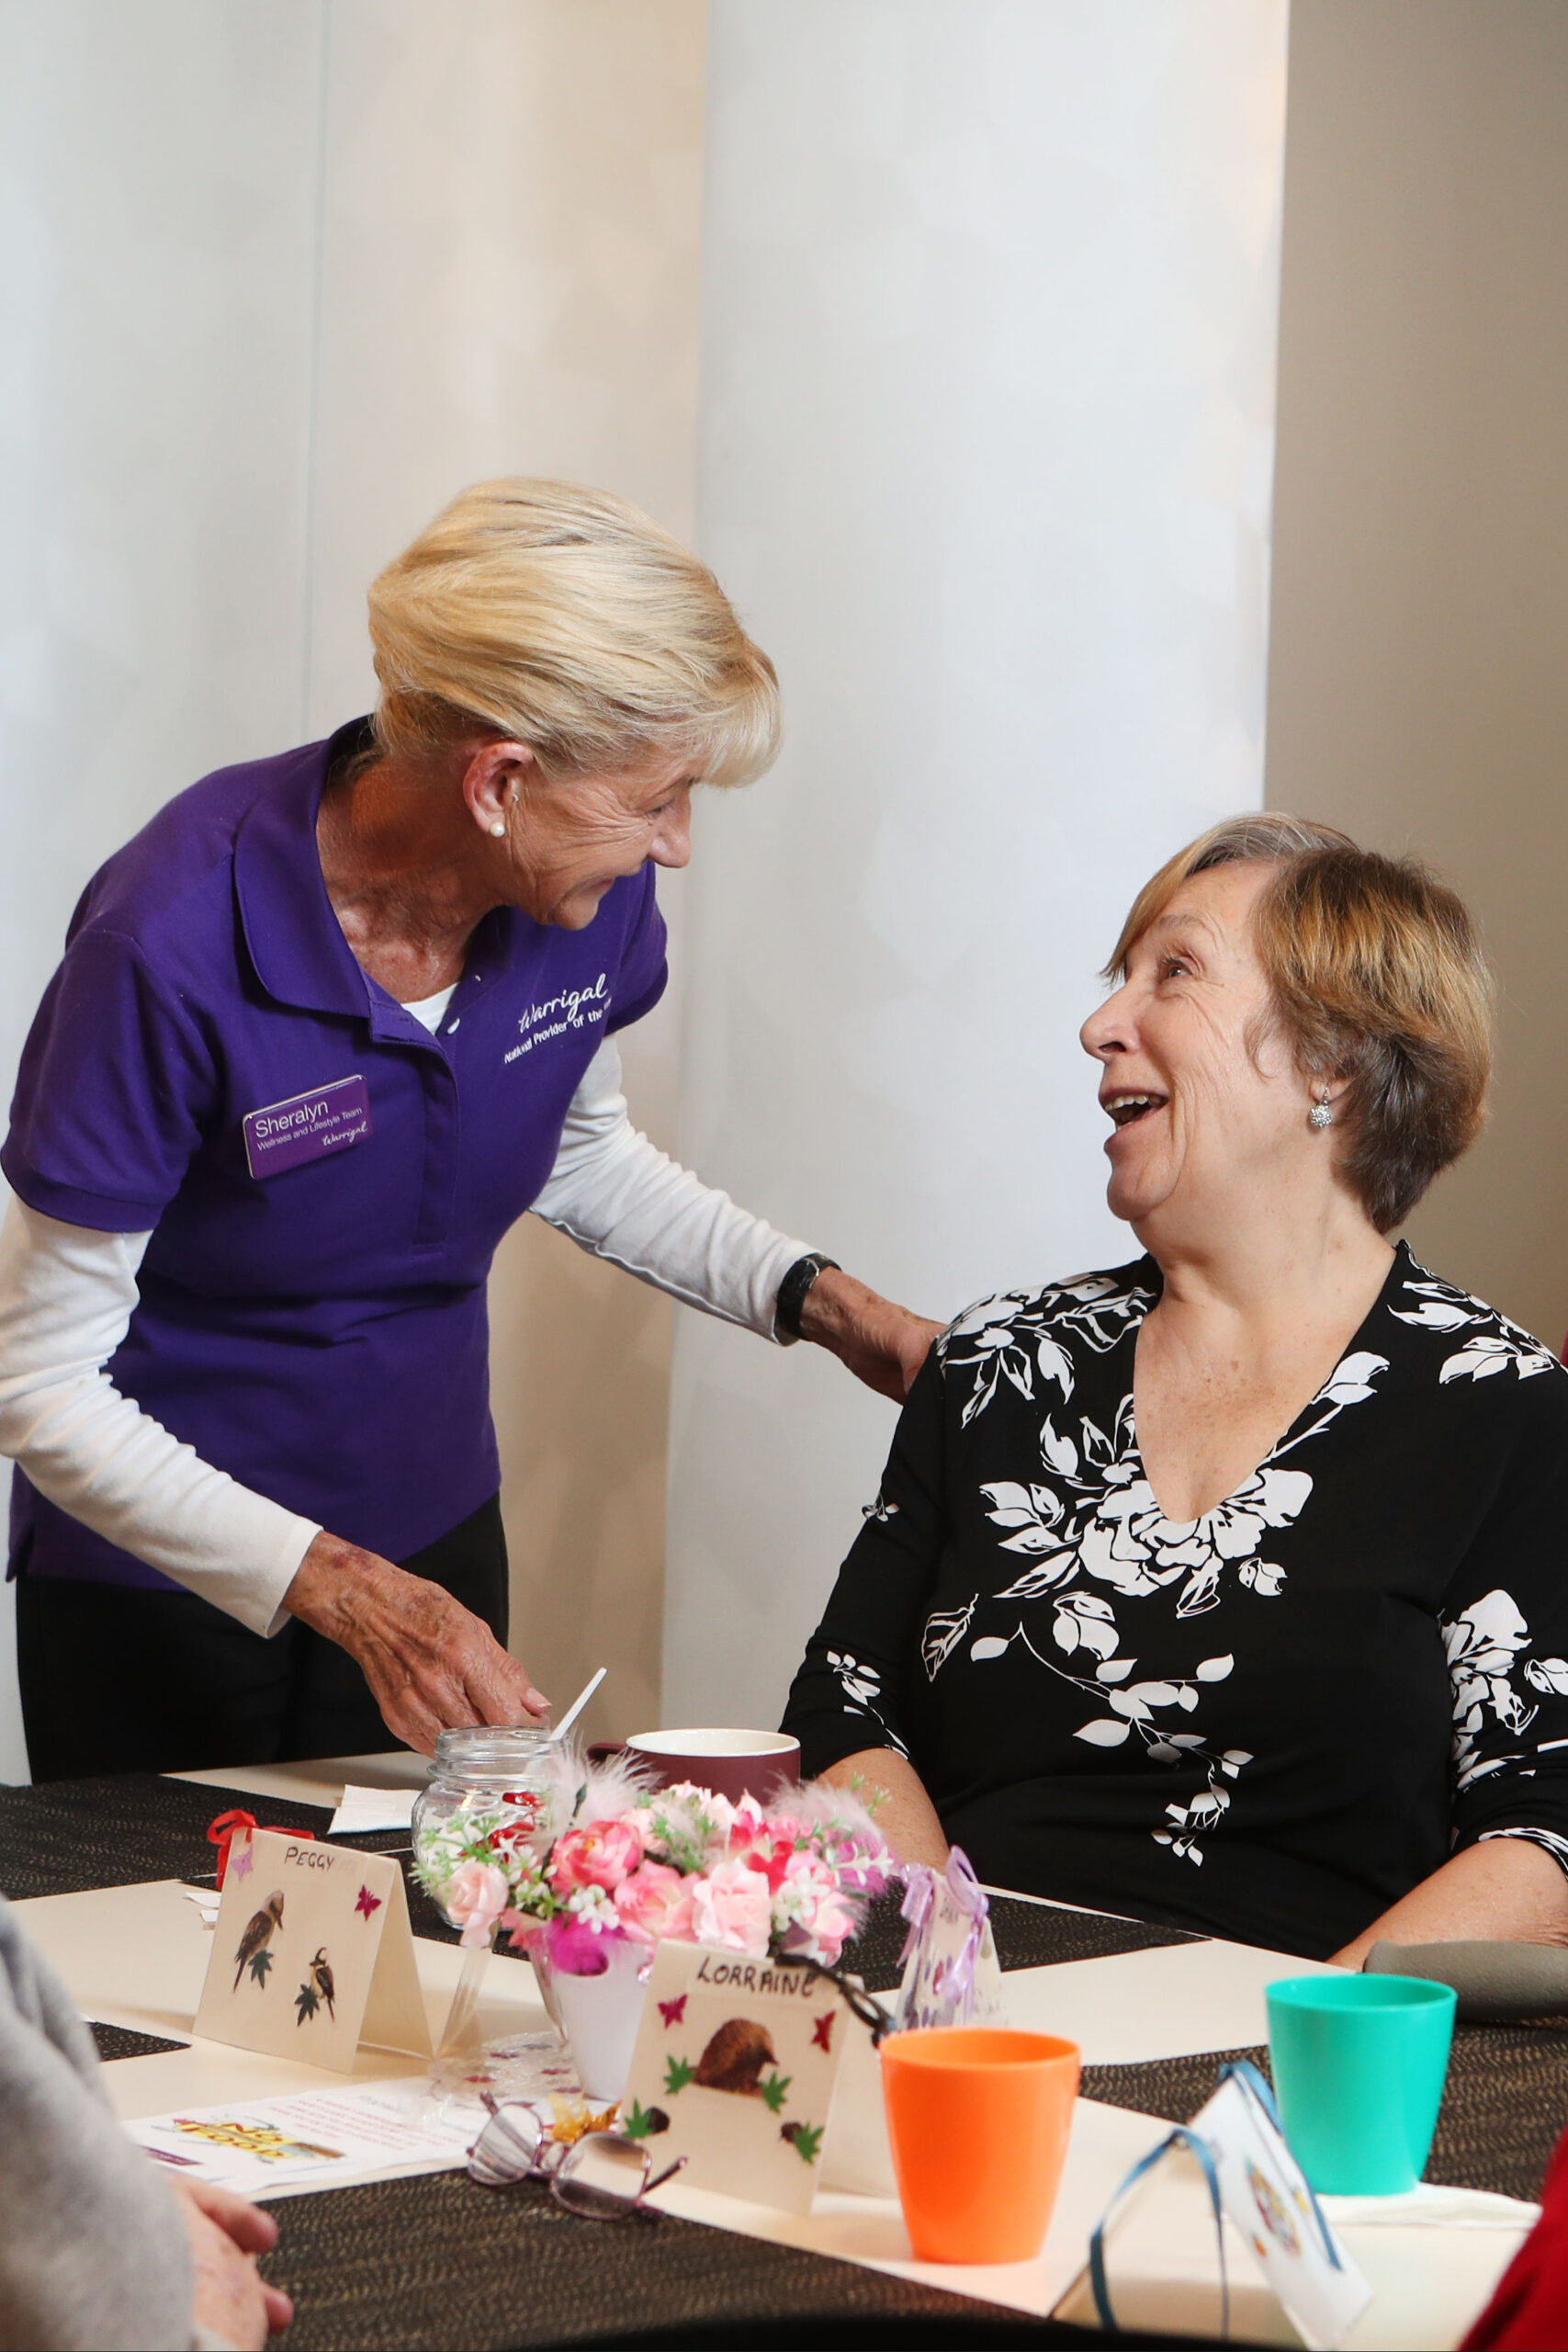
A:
326, 2136
362, 1809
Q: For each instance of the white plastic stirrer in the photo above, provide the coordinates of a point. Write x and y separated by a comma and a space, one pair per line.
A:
578, 1704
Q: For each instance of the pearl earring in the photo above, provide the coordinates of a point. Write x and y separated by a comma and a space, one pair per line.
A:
1320, 1115
498, 830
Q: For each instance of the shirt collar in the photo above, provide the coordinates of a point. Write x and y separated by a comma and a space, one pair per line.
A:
295, 939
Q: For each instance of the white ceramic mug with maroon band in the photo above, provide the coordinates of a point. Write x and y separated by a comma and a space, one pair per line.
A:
734, 1764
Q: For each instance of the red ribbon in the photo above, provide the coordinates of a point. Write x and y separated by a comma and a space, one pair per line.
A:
227, 1827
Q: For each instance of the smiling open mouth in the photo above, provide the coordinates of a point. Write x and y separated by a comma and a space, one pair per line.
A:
1125, 1109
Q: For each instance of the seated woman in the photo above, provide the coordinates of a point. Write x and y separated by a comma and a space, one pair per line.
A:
1229, 1587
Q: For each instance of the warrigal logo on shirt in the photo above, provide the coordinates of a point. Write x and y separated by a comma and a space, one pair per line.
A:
573, 1009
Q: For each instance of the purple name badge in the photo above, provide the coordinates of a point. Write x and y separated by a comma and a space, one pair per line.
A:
308, 1126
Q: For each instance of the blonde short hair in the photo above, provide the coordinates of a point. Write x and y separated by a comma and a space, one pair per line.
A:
1377, 976
563, 618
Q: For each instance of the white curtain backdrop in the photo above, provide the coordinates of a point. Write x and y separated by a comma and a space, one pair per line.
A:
989, 302
278, 280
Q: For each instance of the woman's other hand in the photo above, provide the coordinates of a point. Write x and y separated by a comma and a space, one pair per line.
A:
430, 1662
882, 1344
231, 2299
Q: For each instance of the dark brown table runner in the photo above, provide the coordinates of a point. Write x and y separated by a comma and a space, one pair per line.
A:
1028, 1935
438, 2262
124, 1827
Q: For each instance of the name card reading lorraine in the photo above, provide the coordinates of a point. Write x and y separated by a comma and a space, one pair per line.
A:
734, 2069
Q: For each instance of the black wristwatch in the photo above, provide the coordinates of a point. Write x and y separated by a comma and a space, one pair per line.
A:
792, 1294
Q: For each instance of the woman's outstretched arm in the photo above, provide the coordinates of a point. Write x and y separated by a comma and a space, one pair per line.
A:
1506, 1889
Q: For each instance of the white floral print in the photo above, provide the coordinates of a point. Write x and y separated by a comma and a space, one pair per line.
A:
1007, 1337
862, 1687
1092, 1515
1092, 1518
1494, 1345
1055, 1559
1555, 1846
1486, 1644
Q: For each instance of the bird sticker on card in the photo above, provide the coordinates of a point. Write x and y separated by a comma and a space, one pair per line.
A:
734, 2069
313, 1954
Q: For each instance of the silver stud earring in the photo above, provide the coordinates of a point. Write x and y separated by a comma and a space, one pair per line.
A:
498, 830
1320, 1115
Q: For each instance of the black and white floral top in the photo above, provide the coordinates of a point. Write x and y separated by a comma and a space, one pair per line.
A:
1267, 1723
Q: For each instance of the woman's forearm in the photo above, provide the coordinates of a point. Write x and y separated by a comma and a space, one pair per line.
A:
905, 1816
1506, 1890
67, 1294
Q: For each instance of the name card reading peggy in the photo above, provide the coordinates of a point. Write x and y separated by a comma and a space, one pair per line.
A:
313, 1954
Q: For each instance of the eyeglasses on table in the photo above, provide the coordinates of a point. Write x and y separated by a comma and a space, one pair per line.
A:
601, 2178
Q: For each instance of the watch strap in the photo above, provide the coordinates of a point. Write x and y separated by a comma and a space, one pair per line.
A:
791, 1299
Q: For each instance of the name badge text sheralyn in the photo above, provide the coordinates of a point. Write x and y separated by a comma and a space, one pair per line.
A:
307, 1127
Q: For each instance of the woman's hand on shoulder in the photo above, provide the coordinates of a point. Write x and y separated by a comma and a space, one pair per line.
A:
882, 1344
430, 1662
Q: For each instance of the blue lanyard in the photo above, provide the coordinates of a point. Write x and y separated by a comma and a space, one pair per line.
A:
1254, 2086
1179, 2138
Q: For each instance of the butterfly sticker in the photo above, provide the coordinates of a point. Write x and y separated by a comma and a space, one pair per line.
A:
368, 1903
673, 2012
822, 2031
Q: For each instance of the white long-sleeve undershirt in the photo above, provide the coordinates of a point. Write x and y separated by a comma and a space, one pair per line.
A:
67, 1294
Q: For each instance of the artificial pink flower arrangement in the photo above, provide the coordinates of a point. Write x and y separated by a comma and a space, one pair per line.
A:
635, 1864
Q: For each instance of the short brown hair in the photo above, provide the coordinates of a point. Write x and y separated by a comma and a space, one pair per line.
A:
564, 619
1377, 976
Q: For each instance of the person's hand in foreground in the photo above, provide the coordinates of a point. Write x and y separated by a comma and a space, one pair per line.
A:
430, 1662
882, 1344
231, 2299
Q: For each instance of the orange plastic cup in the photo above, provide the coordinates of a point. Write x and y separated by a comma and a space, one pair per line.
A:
979, 2119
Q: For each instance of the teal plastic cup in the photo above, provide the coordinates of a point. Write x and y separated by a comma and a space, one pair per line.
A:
1359, 2066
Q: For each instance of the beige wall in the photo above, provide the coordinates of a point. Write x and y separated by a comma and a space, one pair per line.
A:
1418, 688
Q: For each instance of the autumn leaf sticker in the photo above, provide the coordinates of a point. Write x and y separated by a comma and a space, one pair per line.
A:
677, 2074
772, 2091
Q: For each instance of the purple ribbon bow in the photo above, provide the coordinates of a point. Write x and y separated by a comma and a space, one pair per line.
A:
969, 1895
920, 1895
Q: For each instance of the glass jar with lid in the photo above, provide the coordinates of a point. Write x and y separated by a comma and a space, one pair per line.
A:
490, 1796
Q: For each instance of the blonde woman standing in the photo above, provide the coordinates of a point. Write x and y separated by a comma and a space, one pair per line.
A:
323, 1030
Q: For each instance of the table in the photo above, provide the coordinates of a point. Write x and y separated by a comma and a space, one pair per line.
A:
434, 2260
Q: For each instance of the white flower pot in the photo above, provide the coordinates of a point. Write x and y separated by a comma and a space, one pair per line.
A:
600, 2016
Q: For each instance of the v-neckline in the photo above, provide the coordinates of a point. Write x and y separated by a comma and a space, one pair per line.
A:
1399, 1268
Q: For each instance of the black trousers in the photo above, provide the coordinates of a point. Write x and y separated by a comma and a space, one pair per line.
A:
115, 1679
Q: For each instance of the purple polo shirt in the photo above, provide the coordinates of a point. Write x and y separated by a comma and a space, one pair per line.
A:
318, 1328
